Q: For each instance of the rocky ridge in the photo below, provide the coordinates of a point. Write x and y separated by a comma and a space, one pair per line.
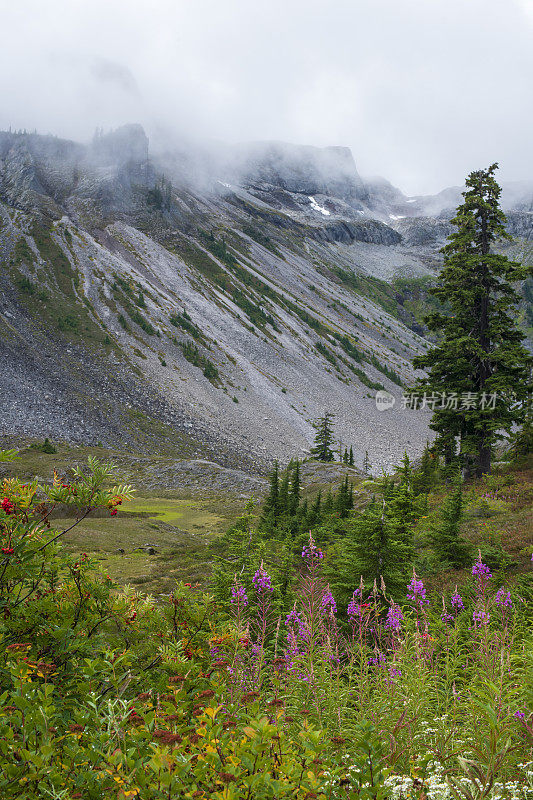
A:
219, 317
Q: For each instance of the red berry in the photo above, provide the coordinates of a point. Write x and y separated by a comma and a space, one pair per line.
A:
7, 506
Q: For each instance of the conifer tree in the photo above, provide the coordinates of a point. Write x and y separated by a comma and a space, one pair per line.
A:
367, 466
327, 505
322, 448
283, 502
294, 498
345, 457
480, 349
271, 506
378, 544
401, 508
351, 461
340, 504
446, 538
314, 514
425, 477
343, 502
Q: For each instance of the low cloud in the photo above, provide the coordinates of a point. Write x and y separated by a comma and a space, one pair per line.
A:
422, 92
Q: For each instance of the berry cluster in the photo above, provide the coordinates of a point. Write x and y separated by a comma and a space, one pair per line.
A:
113, 503
7, 506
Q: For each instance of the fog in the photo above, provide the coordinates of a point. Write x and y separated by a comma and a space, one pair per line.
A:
422, 91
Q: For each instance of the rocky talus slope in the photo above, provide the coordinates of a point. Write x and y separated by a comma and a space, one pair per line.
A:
212, 307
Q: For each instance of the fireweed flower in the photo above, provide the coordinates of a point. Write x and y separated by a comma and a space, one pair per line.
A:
238, 595
293, 616
416, 592
445, 617
394, 618
262, 581
328, 604
394, 672
503, 598
480, 617
457, 601
354, 608
310, 551
481, 571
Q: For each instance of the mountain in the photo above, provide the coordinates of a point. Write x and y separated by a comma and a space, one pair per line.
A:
213, 302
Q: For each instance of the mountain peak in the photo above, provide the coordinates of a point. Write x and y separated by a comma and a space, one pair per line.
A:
122, 145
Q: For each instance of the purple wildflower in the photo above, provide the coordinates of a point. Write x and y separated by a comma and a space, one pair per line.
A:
295, 618
519, 715
416, 592
480, 617
292, 616
310, 552
394, 618
354, 609
394, 672
481, 571
261, 581
328, 604
238, 595
446, 618
503, 598
457, 602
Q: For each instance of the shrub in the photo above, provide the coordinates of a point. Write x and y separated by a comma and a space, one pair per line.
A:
48, 447
108, 693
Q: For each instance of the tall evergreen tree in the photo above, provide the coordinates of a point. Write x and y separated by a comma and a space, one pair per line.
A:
283, 504
314, 514
271, 506
480, 347
378, 543
351, 461
295, 489
322, 448
367, 466
342, 498
425, 477
327, 505
446, 538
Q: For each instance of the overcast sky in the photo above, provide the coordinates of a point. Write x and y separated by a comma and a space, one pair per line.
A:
423, 91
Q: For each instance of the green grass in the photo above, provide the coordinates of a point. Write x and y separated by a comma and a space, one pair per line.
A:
189, 515
179, 529
179, 523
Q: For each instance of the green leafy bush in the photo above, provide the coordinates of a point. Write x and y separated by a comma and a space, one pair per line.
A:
105, 692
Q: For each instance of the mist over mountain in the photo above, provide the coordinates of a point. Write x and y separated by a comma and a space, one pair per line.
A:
223, 297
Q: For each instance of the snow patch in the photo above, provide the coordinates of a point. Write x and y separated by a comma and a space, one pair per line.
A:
316, 207
411, 200
397, 216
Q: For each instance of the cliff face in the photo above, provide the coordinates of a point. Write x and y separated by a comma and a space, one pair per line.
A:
304, 170
216, 304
